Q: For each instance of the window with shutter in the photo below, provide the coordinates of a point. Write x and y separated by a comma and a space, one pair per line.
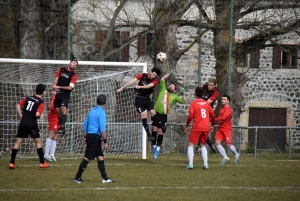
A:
141, 45
125, 50
115, 41
285, 59
254, 59
145, 44
276, 57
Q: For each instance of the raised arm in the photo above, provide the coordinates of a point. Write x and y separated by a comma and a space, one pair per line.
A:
165, 76
145, 87
127, 84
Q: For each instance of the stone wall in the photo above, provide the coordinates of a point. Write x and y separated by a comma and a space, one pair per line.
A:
266, 87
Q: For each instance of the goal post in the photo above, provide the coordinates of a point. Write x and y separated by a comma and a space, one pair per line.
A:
18, 78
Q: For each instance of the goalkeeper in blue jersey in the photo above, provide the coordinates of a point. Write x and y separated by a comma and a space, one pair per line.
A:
166, 99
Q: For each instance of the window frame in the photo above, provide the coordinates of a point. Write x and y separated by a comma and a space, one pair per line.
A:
282, 59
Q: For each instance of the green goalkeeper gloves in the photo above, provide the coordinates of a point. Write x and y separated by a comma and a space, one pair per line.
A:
173, 72
182, 90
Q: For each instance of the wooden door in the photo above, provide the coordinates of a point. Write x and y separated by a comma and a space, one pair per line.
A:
268, 138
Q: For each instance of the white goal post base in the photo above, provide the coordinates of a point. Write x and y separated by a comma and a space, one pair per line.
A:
18, 78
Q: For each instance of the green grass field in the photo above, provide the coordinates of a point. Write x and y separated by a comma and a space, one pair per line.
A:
272, 177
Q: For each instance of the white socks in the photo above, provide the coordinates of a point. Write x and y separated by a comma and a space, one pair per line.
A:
204, 155
221, 151
233, 150
50, 147
53, 148
190, 154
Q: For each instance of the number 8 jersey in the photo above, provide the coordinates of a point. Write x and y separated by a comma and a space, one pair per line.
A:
31, 105
201, 113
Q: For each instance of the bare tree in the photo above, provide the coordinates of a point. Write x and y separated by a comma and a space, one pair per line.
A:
265, 19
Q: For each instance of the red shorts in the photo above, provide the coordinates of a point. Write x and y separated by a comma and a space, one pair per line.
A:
224, 135
198, 135
53, 125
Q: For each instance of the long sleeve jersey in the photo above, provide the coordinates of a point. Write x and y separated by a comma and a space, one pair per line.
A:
224, 118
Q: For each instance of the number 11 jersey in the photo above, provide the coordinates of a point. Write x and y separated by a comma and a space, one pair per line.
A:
31, 105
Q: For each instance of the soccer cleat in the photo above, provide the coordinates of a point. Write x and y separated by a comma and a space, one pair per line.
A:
237, 158
12, 166
156, 153
224, 160
48, 158
108, 180
189, 167
79, 181
53, 158
205, 167
44, 165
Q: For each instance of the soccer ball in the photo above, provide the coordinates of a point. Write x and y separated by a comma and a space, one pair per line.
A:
161, 56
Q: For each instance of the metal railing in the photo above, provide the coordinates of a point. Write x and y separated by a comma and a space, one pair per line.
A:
240, 136
175, 140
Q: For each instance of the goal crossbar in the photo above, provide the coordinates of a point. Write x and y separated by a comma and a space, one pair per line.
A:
89, 63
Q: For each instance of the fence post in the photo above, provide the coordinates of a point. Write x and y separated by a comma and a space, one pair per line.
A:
255, 142
171, 127
240, 139
290, 143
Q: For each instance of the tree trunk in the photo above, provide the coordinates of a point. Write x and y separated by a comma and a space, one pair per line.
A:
221, 42
31, 32
221, 48
164, 38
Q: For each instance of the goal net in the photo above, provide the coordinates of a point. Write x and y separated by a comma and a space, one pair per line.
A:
125, 132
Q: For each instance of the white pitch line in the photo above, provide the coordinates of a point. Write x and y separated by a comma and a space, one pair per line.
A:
281, 188
55, 164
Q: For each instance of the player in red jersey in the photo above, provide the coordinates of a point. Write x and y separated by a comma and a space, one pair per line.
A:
143, 90
201, 113
224, 132
64, 82
33, 107
53, 121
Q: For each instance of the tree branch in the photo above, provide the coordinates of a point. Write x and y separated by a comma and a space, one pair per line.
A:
111, 29
202, 11
252, 8
196, 40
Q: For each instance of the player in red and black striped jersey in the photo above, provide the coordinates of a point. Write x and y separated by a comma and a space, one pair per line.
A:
210, 94
210, 91
144, 89
33, 107
64, 82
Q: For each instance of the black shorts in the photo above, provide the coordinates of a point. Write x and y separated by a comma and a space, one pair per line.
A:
24, 131
163, 119
61, 99
93, 146
143, 103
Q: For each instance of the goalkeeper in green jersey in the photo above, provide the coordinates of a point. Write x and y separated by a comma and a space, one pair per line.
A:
166, 99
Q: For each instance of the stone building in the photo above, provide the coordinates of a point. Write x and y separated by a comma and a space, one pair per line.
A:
271, 96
